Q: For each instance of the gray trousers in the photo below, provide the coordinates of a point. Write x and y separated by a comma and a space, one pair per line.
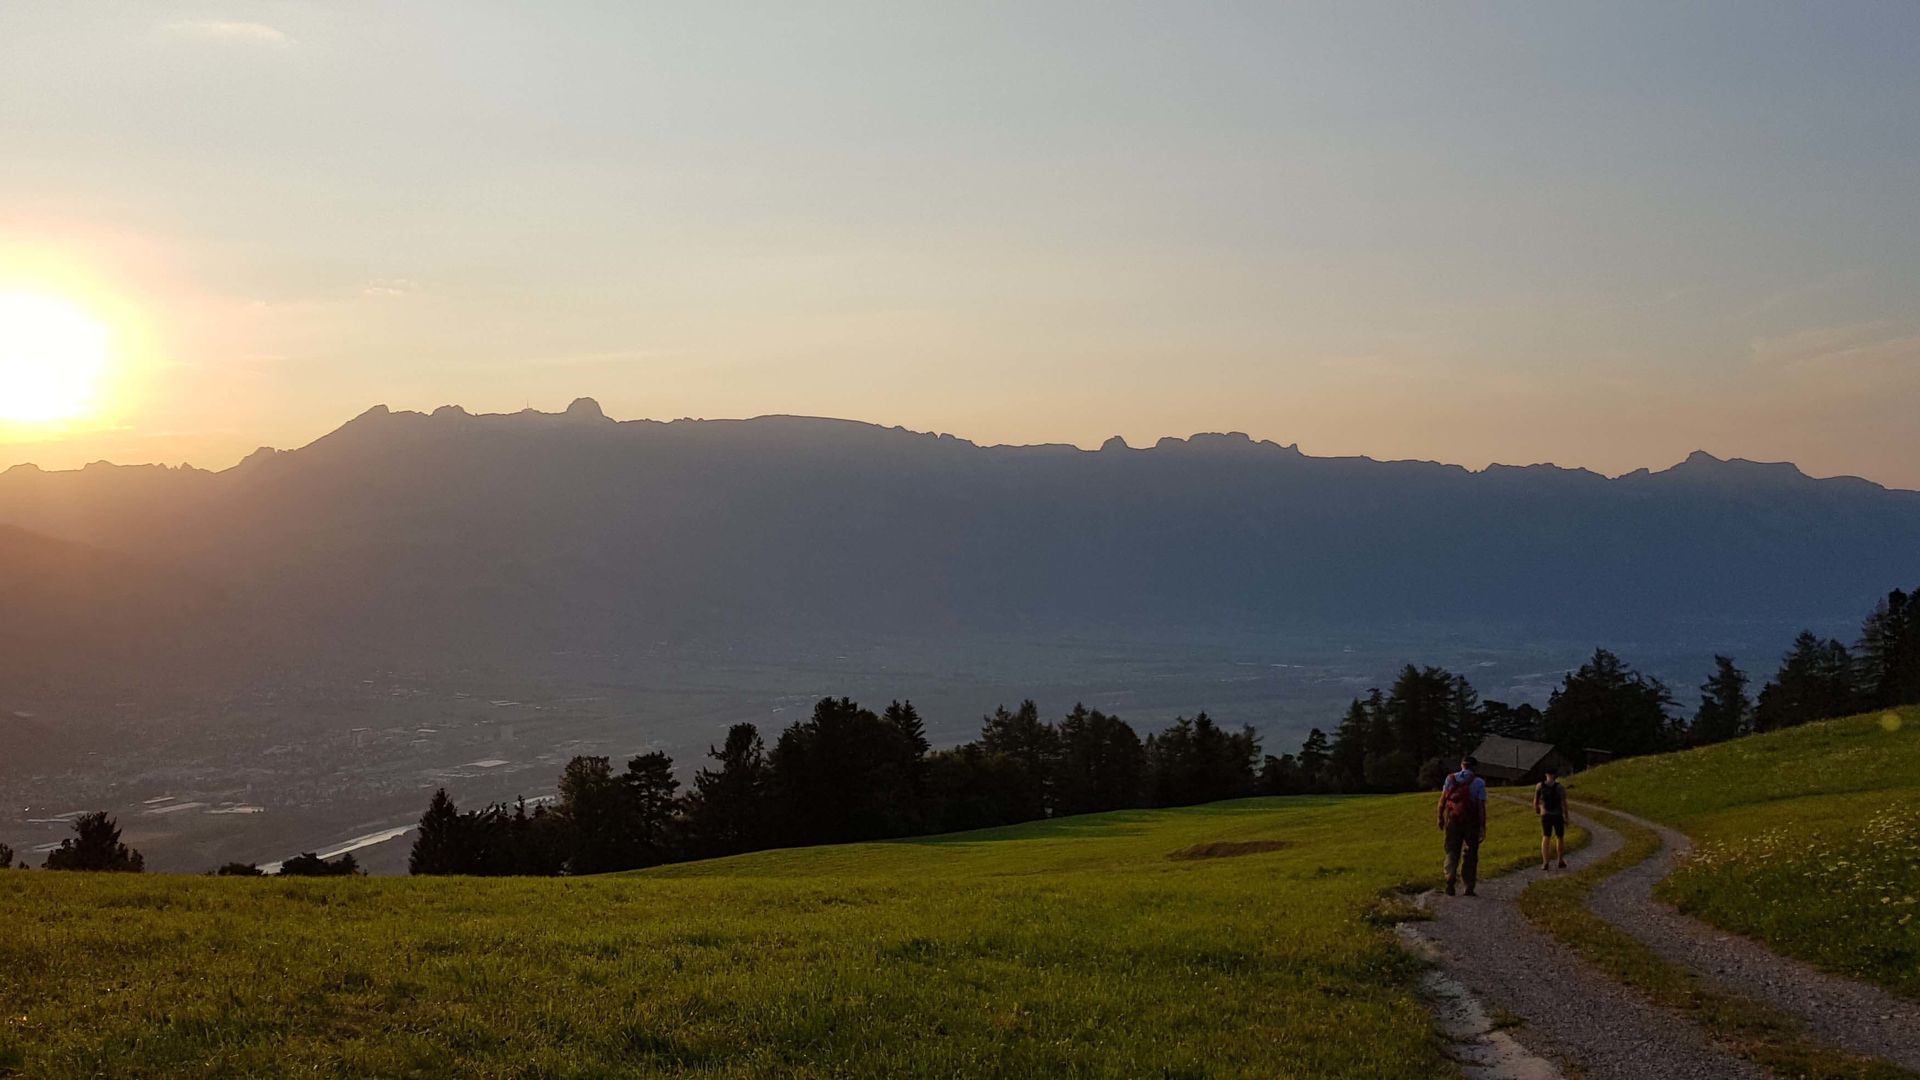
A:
1463, 851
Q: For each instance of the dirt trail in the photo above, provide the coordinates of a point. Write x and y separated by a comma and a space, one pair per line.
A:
1568, 1013
1844, 1013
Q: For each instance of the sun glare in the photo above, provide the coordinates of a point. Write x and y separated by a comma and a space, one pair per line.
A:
52, 357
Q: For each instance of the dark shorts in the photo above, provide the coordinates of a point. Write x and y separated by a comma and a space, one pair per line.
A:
1553, 825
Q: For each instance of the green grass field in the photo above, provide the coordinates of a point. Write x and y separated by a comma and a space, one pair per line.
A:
1808, 839
1073, 947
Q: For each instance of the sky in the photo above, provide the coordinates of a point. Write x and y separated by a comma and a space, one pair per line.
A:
1597, 235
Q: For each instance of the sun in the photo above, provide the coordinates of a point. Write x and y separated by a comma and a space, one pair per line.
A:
53, 355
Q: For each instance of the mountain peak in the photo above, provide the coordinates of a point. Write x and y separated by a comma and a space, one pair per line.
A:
585, 409
1701, 465
1703, 468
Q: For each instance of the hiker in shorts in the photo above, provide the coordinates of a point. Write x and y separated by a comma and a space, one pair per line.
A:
1463, 821
1550, 802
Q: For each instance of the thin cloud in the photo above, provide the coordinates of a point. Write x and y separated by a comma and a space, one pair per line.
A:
241, 33
1878, 342
590, 359
1817, 287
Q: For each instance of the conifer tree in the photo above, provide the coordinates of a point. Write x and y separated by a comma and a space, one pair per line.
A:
1816, 681
593, 805
1100, 763
1022, 737
906, 720
1607, 705
1315, 755
438, 844
727, 813
1889, 652
1347, 757
1725, 710
95, 845
649, 786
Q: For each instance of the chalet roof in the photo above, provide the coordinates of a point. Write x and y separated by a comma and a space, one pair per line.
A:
1520, 755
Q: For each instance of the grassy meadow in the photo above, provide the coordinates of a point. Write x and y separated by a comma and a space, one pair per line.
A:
1238, 939
1807, 839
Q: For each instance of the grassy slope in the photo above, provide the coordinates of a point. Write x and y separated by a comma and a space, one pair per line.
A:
1069, 947
1808, 839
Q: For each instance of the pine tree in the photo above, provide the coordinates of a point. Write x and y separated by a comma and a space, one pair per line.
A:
1890, 652
1465, 723
911, 747
843, 774
1100, 764
650, 805
726, 814
1816, 681
1024, 738
1725, 710
1218, 764
1315, 756
95, 845
1607, 705
438, 845
1020, 735
593, 805
536, 840
1347, 758
906, 719
1421, 710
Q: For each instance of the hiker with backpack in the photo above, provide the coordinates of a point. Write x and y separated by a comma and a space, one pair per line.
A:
1463, 821
1550, 802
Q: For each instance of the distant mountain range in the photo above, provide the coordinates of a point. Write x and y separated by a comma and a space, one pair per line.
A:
404, 533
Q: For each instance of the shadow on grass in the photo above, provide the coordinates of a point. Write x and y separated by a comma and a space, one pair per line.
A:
1227, 849
1124, 822
1116, 823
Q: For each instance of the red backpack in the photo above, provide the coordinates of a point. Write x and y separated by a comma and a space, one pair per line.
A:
1461, 805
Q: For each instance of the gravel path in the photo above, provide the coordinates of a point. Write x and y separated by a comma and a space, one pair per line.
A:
1572, 1015
1850, 1015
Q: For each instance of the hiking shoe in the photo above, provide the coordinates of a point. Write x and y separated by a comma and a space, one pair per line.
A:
1563, 864
1544, 866
1469, 890
1449, 888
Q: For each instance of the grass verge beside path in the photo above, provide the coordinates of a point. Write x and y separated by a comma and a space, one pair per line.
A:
1763, 1035
1806, 839
1074, 947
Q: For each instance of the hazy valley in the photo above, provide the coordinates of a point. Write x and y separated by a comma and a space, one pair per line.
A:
290, 654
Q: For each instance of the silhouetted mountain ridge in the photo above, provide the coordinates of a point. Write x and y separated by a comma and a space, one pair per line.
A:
500, 534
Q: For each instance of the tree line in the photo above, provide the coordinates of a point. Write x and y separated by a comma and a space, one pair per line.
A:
1409, 737
848, 774
844, 774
